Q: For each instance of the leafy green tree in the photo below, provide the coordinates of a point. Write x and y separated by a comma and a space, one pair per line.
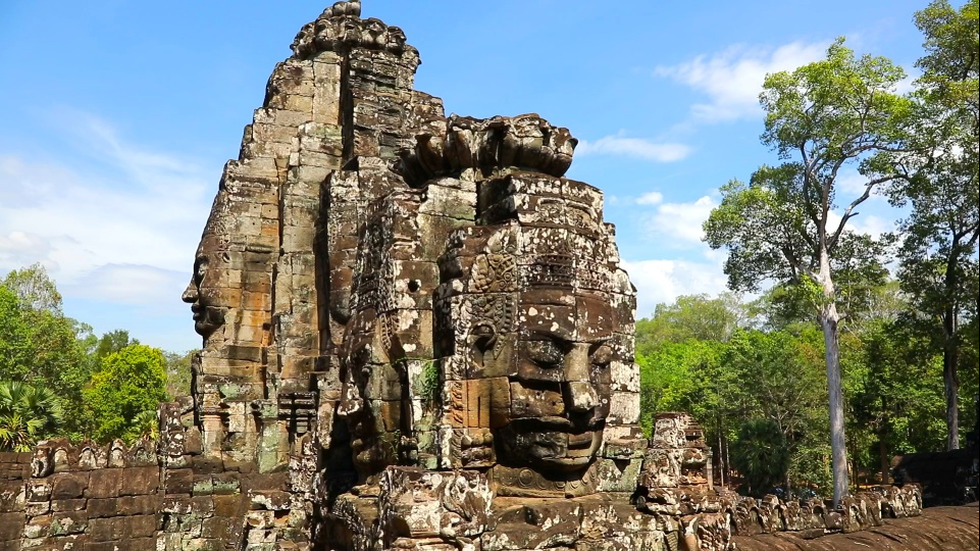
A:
34, 289
131, 382
27, 414
697, 317
939, 269
112, 342
830, 114
38, 344
894, 393
179, 373
761, 455
780, 374
15, 338
672, 378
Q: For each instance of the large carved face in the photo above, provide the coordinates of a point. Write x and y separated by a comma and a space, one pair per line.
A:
539, 335
363, 388
209, 304
559, 391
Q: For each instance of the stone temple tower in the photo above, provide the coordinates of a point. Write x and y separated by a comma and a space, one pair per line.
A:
269, 305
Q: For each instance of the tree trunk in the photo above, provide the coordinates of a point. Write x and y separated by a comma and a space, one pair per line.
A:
728, 460
837, 440
721, 458
884, 460
951, 383
828, 318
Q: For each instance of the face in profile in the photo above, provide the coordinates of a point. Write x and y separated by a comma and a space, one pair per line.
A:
360, 372
209, 305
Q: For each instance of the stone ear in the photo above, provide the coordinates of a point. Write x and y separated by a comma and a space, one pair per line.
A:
483, 337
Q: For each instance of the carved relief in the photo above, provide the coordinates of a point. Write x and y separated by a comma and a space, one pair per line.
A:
424, 325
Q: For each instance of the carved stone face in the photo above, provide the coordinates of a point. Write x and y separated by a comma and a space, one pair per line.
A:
559, 381
203, 292
359, 396
541, 332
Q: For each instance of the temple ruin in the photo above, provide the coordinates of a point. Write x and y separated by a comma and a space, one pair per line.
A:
416, 335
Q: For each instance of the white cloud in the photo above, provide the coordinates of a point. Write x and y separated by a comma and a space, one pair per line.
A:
145, 286
872, 225
659, 281
111, 205
732, 79
652, 198
682, 221
634, 147
851, 183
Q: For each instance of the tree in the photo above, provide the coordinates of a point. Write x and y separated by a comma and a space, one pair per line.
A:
38, 344
761, 455
896, 401
27, 414
179, 373
690, 317
830, 114
112, 342
131, 383
939, 268
781, 374
34, 289
672, 378
15, 338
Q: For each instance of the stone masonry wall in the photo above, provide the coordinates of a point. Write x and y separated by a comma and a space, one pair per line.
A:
165, 495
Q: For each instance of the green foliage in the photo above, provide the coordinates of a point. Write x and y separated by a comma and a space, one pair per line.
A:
829, 113
761, 454
780, 379
427, 383
112, 342
15, 337
146, 424
27, 414
690, 317
179, 373
679, 377
895, 392
939, 179
38, 344
130, 383
34, 289
45, 350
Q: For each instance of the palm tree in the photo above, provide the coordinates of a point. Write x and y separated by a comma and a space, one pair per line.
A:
144, 424
27, 414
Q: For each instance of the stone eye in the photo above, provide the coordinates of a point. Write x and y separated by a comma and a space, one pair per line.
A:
545, 353
602, 355
200, 270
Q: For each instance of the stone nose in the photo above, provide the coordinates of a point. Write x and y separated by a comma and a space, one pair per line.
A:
190, 293
581, 397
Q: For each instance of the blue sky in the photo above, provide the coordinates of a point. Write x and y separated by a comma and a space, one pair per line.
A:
119, 116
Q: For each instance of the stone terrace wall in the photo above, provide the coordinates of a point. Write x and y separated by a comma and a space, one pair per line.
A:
163, 495
14, 470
